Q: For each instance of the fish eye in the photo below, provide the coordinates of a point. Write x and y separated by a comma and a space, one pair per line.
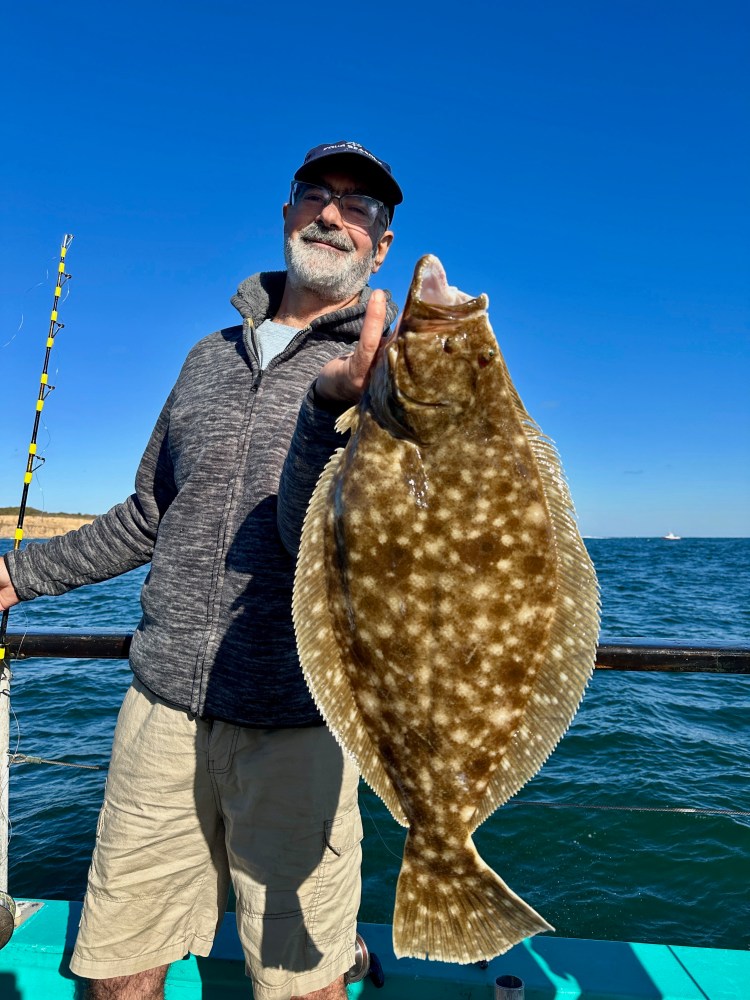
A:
448, 345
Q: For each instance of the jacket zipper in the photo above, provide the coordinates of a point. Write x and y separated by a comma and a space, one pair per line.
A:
199, 691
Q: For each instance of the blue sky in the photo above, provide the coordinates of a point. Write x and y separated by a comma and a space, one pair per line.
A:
584, 163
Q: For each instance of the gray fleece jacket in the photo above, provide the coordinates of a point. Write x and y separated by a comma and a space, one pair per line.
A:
216, 636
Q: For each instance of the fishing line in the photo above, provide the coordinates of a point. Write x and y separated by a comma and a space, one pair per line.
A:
364, 805
6, 816
45, 427
582, 806
17, 724
7, 822
31, 288
24, 758
18, 330
685, 810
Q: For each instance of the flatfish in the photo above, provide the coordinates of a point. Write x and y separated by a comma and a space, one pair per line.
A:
446, 610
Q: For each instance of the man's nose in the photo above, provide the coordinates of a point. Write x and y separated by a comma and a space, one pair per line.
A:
331, 215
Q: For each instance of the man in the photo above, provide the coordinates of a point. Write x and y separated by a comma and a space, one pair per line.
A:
221, 767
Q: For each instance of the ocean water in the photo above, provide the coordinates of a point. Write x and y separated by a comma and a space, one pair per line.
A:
599, 841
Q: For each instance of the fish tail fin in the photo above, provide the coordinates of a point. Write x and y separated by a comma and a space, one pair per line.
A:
457, 909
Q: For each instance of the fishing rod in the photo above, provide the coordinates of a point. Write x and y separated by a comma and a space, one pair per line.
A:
33, 463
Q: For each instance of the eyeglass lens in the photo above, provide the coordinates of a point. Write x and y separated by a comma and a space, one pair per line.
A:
357, 209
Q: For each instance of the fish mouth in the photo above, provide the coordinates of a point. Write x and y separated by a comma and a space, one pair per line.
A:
431, 284
427, 379
432, 298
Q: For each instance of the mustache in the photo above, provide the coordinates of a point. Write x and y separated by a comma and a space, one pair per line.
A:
319, 234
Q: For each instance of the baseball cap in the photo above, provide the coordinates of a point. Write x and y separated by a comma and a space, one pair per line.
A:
353, 157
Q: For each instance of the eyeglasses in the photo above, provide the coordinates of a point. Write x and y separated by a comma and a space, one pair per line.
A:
356, 209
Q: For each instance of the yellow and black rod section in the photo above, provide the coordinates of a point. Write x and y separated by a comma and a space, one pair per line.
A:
33, 461
7, 904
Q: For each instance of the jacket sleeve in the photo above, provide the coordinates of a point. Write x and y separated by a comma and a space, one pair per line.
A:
314, 441
114, 542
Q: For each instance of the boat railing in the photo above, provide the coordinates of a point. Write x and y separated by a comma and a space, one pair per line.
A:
635, 655
95, 644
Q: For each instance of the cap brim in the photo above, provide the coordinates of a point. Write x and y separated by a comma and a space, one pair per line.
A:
379, 182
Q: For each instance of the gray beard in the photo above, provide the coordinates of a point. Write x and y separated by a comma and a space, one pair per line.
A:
333, 278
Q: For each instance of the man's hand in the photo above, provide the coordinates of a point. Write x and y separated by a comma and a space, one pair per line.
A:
8, 595
345, 378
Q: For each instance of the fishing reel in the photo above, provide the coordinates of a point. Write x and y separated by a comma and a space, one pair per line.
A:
366, 964
7, 918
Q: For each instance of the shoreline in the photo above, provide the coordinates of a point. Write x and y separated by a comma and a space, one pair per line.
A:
42, 525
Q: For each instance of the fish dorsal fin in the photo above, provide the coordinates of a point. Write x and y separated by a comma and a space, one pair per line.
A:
569, 657
348, 420
318, 650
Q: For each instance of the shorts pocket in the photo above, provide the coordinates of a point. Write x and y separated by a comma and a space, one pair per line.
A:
344, 832
337, 891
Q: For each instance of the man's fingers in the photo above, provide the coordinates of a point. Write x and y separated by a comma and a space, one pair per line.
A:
345, 377
372, 332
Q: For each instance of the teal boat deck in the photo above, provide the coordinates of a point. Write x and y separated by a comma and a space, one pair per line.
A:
34, 965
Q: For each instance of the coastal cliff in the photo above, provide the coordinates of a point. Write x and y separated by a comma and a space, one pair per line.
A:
38, 524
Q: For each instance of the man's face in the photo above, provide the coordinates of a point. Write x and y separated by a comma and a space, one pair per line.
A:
327, 255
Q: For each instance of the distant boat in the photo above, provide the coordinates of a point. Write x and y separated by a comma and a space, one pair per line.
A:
671, 537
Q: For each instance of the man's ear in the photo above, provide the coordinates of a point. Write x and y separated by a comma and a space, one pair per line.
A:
384, 245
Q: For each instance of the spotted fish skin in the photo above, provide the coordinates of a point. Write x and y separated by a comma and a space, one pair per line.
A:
446, 610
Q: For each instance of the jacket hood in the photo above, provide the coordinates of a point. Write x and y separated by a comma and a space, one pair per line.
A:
259, 296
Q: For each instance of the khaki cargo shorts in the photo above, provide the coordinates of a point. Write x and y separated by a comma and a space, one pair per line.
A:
190, 804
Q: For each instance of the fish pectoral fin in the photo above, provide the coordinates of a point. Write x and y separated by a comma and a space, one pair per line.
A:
348, 420
464, 913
